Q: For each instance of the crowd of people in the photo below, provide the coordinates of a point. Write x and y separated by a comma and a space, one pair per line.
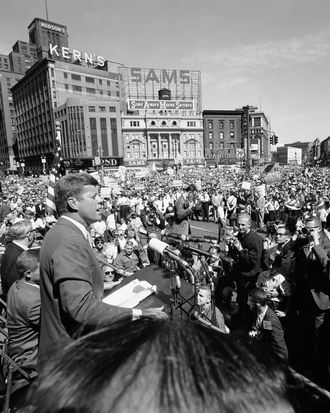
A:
265, 275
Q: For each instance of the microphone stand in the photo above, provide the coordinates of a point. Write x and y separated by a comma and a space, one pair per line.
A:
209, 280
174, 287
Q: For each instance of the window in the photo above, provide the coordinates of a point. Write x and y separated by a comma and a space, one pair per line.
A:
257, 121
89, 79
231, 124
232, 146
112, 109
75, 77
108, 82
221, 135
65, 75
222, 145
102, 108
90, 90
221, 123
210, 124
76, 88
100, 81
108, 93
66, 86
210, 135
134, 123
91, 108
190, 123
232, 135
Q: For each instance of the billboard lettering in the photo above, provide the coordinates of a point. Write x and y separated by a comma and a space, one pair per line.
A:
67, 53
160, 76
135, 104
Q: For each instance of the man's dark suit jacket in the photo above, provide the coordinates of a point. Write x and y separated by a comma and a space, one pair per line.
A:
249, 259
71, 288
272, 334
181, 215
8, 269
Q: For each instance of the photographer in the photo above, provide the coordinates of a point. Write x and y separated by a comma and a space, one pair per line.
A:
153, 222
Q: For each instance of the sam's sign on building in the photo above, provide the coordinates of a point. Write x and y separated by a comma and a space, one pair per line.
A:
72, 54
161, 76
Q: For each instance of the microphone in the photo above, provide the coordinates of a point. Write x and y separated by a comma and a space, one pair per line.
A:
173, 235
164, 249
201, 252
206, 238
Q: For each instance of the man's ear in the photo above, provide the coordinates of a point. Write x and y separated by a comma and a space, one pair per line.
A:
72, 203
27, 274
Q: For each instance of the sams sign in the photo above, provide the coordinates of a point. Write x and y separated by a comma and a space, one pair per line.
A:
161, 76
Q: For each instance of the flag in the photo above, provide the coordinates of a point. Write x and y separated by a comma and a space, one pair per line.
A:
54, 175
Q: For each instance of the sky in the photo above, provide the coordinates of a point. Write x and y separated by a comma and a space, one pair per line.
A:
272, 54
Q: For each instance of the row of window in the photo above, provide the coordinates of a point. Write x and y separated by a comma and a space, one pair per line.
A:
222, 136
222, 145
221, 124
88, 79
92, 91
101, 109
136, 123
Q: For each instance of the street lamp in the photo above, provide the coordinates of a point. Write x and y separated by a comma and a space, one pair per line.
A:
43, 161
22, 163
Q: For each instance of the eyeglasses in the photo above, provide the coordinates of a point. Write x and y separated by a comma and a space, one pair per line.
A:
107, 272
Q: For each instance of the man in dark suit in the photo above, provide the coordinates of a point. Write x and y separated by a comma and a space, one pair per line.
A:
248, 246
71, 282
183, 208
266, 327
21, 236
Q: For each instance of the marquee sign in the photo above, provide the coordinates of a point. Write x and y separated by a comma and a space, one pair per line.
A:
135, 104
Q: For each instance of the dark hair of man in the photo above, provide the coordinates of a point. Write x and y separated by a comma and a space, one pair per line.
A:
71, 186
28, 260
259, 296
162, 366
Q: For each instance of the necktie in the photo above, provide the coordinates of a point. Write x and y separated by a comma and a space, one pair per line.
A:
89, 239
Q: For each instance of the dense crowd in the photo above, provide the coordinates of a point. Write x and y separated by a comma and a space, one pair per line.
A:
266, 274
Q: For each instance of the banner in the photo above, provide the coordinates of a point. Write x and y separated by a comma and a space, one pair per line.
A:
261, 189
246, 185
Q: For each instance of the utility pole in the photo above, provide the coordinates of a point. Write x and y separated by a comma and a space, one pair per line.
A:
246, 135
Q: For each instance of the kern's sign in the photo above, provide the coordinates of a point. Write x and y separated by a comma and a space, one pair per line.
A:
161, 76
72, 54
136, 104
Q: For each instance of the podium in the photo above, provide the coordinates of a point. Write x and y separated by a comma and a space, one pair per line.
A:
161, 278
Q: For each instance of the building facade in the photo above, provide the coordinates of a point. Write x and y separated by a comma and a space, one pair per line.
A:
226, 136
289, 155
161, 117
86, 102
223, 141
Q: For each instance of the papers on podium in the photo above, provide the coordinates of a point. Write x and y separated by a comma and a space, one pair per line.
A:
131, 294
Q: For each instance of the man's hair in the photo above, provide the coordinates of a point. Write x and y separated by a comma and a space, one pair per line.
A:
257, 295
162, 366
71, 186
244, 215
28, 260
19, 230
205, 287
